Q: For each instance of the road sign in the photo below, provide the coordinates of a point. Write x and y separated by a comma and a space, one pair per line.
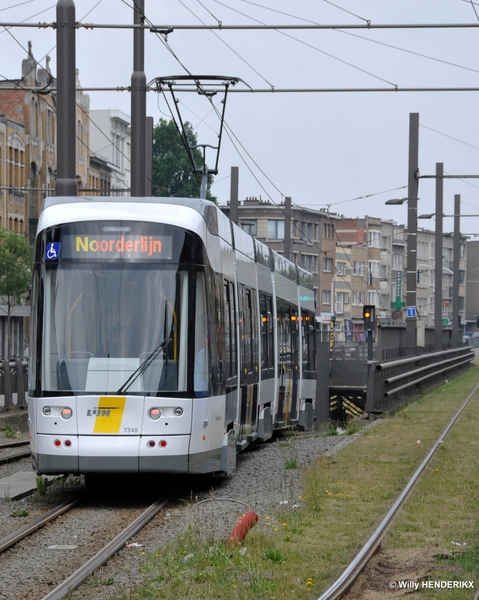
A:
445, 321
411, 311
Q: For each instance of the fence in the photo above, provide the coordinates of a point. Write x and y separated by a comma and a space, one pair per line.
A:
388, 380
13, 383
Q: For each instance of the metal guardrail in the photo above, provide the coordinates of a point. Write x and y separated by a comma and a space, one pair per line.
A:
13, 380
387, 379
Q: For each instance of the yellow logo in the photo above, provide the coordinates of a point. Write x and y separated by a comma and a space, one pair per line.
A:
109, 414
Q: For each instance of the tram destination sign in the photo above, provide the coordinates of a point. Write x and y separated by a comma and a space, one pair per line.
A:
149, 247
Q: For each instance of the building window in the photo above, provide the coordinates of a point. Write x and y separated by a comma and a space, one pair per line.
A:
342, 298
374, 239
373, 298
275, 229
341, 265
398, 261
422, 306
359, 298
359, 267
250, 226
327, 265
328, 231
374, 267
422, 249
326, 297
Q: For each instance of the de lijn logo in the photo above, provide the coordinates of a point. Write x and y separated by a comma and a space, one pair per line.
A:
52, 251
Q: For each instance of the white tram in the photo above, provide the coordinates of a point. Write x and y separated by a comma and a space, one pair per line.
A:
163, 338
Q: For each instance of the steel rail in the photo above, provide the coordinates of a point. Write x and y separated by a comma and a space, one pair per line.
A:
14, 444
36, 524
77, 578
355, 568
12, 457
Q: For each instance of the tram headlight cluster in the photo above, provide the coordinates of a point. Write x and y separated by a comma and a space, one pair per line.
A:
155, 413
65, 412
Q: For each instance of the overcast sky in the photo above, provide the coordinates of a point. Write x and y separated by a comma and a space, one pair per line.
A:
346, 151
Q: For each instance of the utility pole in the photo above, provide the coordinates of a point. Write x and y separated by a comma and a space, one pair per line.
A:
138, 104
234, 194
65, 184
413, 186
287, 228
438, 257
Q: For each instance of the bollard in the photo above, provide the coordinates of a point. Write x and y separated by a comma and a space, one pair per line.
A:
242, 527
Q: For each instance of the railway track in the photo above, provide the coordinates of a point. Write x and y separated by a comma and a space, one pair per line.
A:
56, 552
101, 557
21, 533
8, 454
342, 585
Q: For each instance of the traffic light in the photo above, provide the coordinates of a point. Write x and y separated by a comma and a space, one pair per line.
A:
369, 314
333, 321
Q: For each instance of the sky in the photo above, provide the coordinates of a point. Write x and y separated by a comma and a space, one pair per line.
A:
346, 152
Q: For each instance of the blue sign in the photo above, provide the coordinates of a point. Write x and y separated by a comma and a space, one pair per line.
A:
411, 311
52, 251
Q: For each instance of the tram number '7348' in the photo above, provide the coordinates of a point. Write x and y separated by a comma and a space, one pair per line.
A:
130, 429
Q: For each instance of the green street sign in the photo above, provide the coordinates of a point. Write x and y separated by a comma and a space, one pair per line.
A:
445, 321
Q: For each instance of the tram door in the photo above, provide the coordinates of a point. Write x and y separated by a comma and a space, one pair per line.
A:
249, 370
288, 364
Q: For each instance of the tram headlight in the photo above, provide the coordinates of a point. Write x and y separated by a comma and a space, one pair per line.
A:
178, 411
154, 413
66, 413
47, 411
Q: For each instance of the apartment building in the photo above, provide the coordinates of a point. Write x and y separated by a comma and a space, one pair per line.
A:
312, 247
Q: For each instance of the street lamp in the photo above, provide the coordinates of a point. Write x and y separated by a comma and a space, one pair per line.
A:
396, 201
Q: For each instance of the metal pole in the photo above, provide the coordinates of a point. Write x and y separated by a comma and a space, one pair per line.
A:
65, 184
413, 183
438, 260
287, 228
138, 104
234, 194
148, 155
455, 268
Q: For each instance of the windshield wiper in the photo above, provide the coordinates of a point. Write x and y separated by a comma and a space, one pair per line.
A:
143, 367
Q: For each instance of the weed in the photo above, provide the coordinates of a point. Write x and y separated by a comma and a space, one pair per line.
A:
42, 485
274, 555
19, 513
291, 464
9, 431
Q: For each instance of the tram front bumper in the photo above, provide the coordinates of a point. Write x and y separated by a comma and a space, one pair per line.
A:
112, 454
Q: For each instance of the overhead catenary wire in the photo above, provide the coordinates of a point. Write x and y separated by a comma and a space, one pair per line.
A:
225, 27
308, 45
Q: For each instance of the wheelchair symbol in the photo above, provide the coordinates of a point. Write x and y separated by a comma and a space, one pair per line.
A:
52, 251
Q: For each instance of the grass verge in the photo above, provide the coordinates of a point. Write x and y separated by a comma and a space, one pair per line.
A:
299, 551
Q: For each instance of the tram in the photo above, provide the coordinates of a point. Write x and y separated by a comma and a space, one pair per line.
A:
163, 338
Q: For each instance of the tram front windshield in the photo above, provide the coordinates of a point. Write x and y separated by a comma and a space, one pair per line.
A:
115, 309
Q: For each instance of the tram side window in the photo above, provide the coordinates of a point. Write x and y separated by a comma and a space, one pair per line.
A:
249, 331
200, 373
230, 331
